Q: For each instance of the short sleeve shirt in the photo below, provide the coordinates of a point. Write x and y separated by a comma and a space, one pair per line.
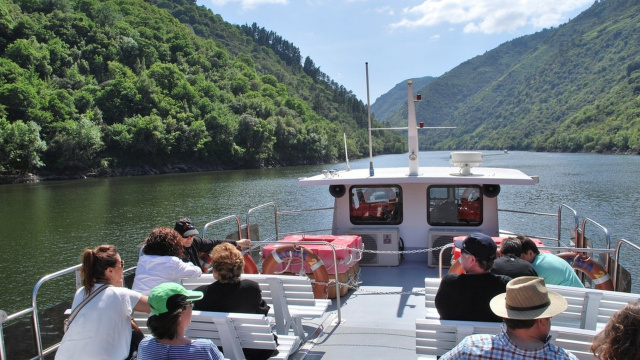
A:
555, 270
500, 347
102, 328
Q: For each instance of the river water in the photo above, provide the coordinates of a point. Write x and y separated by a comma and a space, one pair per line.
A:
45, 226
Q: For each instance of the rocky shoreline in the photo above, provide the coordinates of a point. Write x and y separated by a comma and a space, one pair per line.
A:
39, 176
116, 172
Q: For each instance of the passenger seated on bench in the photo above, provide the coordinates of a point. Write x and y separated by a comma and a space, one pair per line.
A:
194, 246
160, 261
510, 263
555, 270
620, 339
102, 327
527, 308
230, 294
171, 307
467, 296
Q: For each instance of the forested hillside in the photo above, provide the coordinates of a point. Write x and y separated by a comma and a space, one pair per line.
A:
92, 85
572, 88
392, 101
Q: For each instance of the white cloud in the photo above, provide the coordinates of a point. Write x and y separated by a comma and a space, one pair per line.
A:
489, 16
435, 37
248, 4
385, 10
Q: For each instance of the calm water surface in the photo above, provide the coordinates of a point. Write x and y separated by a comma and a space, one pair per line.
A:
45, 226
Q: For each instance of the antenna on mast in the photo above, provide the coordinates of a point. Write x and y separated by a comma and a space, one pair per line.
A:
366, 65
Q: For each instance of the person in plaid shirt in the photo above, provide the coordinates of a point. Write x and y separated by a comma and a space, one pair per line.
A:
526, 309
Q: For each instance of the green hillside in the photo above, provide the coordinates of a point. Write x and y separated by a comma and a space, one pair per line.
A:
91, 86
571, 88
392, 101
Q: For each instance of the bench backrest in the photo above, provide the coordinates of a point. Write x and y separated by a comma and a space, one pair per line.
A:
591, 307
588, 308
282, 293
436, 337
232, 331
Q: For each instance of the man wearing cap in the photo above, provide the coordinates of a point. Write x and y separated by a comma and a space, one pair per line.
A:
554, 269
466, 296
526, 308
194, 245
171, 307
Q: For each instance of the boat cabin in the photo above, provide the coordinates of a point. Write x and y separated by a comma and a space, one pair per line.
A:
393, 210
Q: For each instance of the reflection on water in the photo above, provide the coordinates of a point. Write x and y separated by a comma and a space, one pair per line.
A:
45, 226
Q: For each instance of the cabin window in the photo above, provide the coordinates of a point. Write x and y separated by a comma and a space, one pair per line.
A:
454, 205
375, 205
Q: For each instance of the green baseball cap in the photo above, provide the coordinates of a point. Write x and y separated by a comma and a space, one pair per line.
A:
169, 296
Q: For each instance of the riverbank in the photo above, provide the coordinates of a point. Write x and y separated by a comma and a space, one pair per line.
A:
126, 171
116, 172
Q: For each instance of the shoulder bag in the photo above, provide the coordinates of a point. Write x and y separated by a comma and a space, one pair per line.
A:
84, 302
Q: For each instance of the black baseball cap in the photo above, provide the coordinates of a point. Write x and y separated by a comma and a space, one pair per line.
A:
185, 227
479, 245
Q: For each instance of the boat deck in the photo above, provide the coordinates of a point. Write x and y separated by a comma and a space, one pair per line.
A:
378, 319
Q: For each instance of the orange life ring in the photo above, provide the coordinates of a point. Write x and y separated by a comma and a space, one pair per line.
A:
289, 252
591, 268
456, 268
250, 266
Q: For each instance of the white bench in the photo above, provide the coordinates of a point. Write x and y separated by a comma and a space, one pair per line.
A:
290, 297
588, 308
234, 331
435, 337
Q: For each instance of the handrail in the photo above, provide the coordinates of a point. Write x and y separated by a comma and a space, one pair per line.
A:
575, 222
34, 301
607, 238
33, 310
287, 212
275, 214
204, 229
558, 238
617, 262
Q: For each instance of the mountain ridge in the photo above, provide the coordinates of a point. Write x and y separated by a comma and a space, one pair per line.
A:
570, 88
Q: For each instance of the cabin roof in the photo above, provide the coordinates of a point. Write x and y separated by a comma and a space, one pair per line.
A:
427, 175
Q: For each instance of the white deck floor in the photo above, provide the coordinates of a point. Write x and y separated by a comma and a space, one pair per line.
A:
378, 319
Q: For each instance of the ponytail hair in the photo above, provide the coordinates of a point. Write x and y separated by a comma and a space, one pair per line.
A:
94, 264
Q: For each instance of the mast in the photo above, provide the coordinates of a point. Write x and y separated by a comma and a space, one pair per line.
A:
413, 132
366, 65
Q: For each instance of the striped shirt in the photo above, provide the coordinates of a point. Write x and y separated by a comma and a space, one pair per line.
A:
199, 349
501, 347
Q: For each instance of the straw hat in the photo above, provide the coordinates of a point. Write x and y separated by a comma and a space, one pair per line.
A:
527, 298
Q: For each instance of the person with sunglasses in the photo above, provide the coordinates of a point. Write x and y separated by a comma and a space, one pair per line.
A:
195, 247
467, 296
101, 328
171, 306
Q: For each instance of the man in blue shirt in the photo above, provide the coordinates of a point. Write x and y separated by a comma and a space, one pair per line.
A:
526, 308
553, 269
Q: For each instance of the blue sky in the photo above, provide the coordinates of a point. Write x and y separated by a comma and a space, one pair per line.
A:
400, 39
